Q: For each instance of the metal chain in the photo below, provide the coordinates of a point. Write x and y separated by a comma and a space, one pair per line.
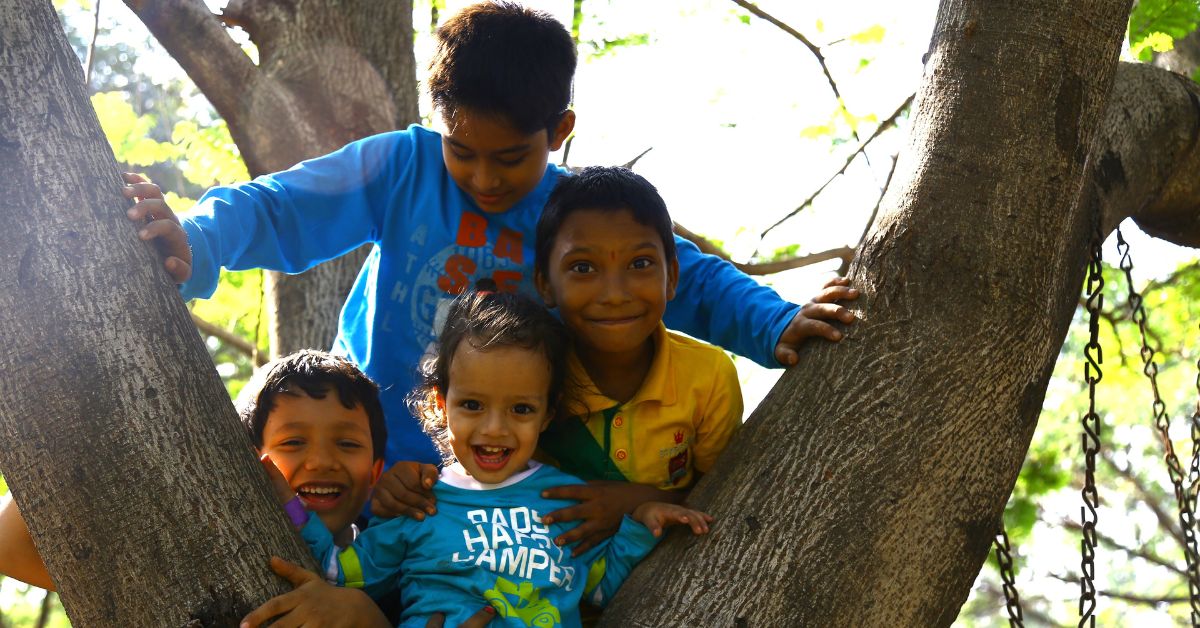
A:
1093, 357
1194, 471
1163, 424
1004, 560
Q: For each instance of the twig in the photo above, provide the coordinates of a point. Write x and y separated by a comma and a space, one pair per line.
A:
1141, 553
1151, 600
259, 360
874, 212
629, 164
91, 53
883, 126
1165, 519
229, 338
764, 268
567, 150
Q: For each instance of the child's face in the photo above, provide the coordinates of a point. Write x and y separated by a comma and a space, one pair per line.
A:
610, 279
323, 449
497, 403
495, 164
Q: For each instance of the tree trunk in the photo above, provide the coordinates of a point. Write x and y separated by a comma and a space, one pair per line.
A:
866, 488
329, 72
139, 486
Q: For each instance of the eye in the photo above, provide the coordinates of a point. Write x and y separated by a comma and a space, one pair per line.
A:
349, 444
511, 161
642, 263
581, 267
290, 443
461, 156
470, 405
524, 408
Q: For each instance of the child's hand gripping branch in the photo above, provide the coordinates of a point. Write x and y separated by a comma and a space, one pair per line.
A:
813, 320
161, 226
602, 505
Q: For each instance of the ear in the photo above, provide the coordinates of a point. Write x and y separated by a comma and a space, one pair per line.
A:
672, 277
562, 130
543, 288
376, 471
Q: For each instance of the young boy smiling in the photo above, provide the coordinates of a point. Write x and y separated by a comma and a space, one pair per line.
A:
444, 210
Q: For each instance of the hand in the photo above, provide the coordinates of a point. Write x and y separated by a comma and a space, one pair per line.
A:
283, 490
601, 507
810, 320
162, 227
314, 602
478, 620
657, 515
406, 489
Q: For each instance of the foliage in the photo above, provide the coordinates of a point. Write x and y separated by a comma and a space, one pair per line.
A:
1154, 25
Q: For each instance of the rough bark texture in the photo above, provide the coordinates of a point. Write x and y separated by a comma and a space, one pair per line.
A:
140, 488
329, 72
866, 488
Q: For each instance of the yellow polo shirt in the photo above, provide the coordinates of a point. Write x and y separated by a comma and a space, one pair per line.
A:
676, 425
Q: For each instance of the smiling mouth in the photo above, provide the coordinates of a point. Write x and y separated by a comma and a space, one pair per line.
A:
488, 199
491, 458
615, 321
320, 496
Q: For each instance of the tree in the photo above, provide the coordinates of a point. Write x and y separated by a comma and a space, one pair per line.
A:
147, 488
903, 453
328, 73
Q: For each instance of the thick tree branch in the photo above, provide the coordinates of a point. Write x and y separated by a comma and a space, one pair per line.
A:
886, 124
230, 339
195, 38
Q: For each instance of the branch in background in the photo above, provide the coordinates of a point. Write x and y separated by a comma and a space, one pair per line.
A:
1150, 600
1027, 607
91, 51
1165, 519
231, 339
44, 612
883, 126
629, 164
567, 150
764, 268
874, 212
1141, 553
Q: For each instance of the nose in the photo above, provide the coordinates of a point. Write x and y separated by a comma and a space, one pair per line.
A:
321, 456
485, 177
614, 290
494, 424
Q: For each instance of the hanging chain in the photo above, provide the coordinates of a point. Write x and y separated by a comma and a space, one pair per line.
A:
1093, 357
1194, 471
1163, 424
1004, 560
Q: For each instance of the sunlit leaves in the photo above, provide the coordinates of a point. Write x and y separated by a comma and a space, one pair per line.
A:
1160, 21
871, 35
208, 155
841, 122
129, 133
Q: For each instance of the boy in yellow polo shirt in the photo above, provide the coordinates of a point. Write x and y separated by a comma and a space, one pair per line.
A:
657, 407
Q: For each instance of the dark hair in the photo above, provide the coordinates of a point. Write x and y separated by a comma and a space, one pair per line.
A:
606, 188
313, 373
486, 320
501, 58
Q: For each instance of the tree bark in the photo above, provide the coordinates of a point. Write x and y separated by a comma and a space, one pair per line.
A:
139, 486
867, 487
329, 72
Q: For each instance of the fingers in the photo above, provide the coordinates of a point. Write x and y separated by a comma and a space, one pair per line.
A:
151, 209
837, 281
292, 572
406, 489
480, 618
575, 492
436, 620
825, 312
578, 532
786, 355
283, 490
273, 607
836, 293
133, 177
570, 513
590, 541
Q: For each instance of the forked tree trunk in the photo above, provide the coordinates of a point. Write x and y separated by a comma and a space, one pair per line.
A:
120, 444
866, 488
329, 72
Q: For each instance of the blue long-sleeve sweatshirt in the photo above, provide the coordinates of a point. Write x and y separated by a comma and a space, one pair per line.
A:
430, 241
487, 543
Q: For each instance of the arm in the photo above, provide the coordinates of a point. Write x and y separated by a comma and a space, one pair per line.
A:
293, 220
637, 536
716, 302
18, 557
314, 602
372, 563
602, 505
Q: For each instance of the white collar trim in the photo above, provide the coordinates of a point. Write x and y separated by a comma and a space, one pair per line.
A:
455, 475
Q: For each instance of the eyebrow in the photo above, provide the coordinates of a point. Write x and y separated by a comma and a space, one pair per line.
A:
299, 425
576, 250
519, 148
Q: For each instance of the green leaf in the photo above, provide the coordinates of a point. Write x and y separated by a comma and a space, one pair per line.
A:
1172, 18
3, 486
872, 35
208, 155
1196, 75
744, 19
1154, 42
608, 46
820, 26
128, 133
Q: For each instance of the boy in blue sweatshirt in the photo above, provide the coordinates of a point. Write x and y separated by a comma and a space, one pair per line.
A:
445, 210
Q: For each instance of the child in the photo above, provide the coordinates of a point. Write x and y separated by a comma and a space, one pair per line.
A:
444, 211
491, 388
318, 418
